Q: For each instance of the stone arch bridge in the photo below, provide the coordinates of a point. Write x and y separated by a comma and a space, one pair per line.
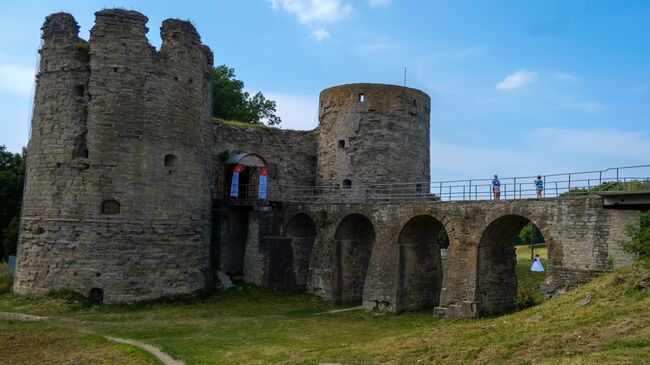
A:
386, 256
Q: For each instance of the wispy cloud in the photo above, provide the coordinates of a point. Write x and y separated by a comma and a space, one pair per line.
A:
377, 45
321, 34
640, 89
376, 3
580, 105
16, 79
565, 150
517, 80
631, 146
315, 14
565, 76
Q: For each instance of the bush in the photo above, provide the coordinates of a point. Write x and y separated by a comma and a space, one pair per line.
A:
6, 281
639, 243
525, 298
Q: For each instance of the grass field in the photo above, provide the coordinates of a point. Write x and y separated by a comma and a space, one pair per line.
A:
605, 321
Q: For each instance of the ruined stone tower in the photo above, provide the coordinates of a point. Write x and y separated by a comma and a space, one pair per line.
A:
117, 196
373, 134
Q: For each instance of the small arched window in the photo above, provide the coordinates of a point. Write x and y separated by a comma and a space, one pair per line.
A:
171, 161
341, 143
110, 207
347, 184
96, 295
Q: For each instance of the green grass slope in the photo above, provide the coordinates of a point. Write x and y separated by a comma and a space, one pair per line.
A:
606, 321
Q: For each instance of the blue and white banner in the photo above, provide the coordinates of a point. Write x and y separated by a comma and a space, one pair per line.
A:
264, 172
234, 186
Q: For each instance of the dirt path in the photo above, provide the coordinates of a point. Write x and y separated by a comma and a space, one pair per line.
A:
10, 316
166, 359
155, 351
341, 310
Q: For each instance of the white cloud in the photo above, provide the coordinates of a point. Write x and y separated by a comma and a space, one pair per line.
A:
315, 14
630, 146
376, 3
517, 80
565, 76
310, 12
298, 112
564, 149
320, 34
16, 79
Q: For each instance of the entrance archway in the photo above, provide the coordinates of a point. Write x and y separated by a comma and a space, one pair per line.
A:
498, 282
354, 240
420, 267
247, 167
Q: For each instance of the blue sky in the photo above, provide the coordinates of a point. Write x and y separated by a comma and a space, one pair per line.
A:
517, 87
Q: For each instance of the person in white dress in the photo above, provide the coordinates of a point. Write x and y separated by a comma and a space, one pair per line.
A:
537, 265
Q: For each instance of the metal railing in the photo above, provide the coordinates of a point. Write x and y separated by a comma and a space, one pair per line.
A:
520, 187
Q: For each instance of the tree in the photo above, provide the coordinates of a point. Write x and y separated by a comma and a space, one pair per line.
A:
231, 102
12, 176
639, 243
530, 230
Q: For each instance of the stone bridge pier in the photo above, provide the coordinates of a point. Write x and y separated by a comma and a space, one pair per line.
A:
386, 256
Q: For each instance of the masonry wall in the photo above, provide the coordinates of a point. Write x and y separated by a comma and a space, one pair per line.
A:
579, 232
291, 155
118, 182
372, 133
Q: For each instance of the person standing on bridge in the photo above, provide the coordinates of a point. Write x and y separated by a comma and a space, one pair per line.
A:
496, 188
539, 186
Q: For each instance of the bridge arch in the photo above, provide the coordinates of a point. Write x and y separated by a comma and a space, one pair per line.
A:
497, 281
420, 266
301, 233
354, 240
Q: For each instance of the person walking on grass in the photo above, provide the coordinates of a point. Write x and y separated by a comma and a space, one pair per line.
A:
539, 186
496, 188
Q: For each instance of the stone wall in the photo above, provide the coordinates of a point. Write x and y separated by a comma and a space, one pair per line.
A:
117, 197
372, 133
291, 155
479, 277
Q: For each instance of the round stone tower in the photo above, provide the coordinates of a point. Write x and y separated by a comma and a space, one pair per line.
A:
117, 197
373, 134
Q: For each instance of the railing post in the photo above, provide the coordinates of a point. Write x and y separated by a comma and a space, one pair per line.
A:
514, 184
544, 190
470, 189
569, 184
449, 192
600, 179
440, 190
463, 192
557, 193
617, 179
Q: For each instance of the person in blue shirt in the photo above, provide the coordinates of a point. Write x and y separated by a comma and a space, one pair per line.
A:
539, 186
496, 188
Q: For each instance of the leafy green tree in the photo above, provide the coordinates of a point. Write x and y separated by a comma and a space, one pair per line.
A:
530, 230
12, 176
10, 236
639, 243
231, 102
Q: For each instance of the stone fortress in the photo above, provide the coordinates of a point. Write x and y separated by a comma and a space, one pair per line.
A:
133, 192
